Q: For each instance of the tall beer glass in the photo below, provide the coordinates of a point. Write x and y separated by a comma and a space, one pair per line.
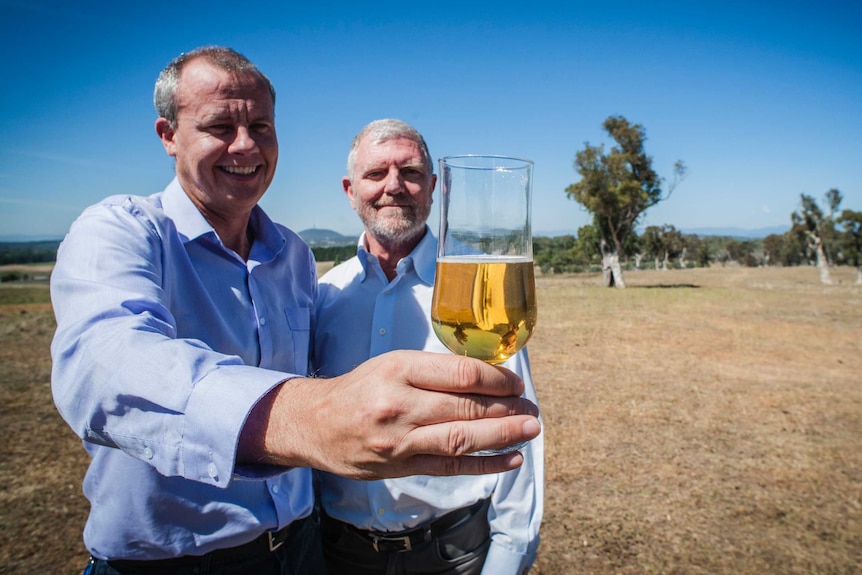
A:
484, 302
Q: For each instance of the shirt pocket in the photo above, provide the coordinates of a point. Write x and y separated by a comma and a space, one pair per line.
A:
299, 324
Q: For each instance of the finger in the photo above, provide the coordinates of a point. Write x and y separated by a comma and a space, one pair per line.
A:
428, 408
452, 373
458, 438
474, 407
465, 465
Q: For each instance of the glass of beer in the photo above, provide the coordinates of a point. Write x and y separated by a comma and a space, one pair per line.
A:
484, 303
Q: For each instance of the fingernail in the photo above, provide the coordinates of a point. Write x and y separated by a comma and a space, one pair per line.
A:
532, 427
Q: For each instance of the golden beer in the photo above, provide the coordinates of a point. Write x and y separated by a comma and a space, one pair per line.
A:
484, 306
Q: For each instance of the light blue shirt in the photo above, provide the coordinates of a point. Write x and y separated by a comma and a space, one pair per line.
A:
360, 314
165, 341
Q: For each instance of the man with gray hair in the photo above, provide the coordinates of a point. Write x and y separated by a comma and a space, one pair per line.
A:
182, 345
378, 301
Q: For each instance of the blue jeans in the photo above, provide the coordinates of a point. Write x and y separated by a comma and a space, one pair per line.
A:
300, 555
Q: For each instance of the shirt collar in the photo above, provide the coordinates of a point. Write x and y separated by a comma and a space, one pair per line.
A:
423, 256
191, 224
188, 220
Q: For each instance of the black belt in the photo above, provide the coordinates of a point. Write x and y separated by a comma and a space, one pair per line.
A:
387, 541
265, 543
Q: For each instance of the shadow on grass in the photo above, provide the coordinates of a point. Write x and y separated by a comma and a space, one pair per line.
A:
666, 286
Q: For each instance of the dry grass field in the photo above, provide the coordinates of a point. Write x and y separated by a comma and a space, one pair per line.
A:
699, 421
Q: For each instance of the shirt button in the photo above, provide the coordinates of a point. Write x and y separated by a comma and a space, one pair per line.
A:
263, 321
382, 331
381, 511
212, 470
148, 453
275, 488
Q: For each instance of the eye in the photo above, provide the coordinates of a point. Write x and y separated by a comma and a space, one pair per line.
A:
220, 129
412, 174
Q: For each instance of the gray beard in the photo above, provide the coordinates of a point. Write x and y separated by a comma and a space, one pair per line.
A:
400, 229
405, 230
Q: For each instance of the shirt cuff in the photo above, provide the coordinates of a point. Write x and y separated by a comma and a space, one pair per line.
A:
502, 561
214, 423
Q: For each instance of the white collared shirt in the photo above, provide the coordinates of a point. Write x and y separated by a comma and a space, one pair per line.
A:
360, 314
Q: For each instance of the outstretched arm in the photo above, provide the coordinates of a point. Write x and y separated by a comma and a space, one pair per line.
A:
401, 413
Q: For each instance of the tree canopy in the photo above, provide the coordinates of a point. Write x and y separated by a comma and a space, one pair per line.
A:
617, 188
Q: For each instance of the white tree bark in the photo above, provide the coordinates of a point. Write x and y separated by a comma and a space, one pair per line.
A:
822, 264
612, 273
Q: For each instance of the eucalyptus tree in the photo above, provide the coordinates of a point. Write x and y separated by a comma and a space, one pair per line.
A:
852, 222
772, 245
674, 246
698, 249
651, 243
814, 225
663, 243
617, 187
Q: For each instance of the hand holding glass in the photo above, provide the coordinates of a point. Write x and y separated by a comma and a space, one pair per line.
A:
484, 302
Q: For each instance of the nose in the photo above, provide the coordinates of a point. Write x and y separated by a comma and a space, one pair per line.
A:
243, 141
394, 183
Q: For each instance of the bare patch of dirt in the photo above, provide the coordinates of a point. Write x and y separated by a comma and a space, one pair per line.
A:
42, 508
688, 431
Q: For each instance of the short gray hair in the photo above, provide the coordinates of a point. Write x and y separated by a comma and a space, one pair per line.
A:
228, 59
385, 130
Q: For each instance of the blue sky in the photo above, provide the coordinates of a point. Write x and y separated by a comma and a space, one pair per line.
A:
762, 100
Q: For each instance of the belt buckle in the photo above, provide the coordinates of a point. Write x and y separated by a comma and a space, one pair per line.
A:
273, 544
405, 540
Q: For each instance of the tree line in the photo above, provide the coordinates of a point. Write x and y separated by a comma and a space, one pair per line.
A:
28, 252
43, 252
617, 187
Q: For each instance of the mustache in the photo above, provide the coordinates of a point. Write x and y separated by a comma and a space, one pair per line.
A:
403, 203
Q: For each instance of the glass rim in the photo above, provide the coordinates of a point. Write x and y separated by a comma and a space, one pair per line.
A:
520, 162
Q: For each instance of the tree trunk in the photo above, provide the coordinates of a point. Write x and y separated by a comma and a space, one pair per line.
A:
682, 259
822, 265
858, 276
612, 273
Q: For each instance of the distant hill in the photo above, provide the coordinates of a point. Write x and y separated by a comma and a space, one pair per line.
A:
321, 238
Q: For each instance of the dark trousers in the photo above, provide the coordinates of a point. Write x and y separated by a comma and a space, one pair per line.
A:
299, 555
460, 549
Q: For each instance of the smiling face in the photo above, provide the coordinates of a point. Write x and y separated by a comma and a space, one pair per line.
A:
390, 189
224, 140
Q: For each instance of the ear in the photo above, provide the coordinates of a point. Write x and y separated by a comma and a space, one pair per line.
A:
166, 134
348, 189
